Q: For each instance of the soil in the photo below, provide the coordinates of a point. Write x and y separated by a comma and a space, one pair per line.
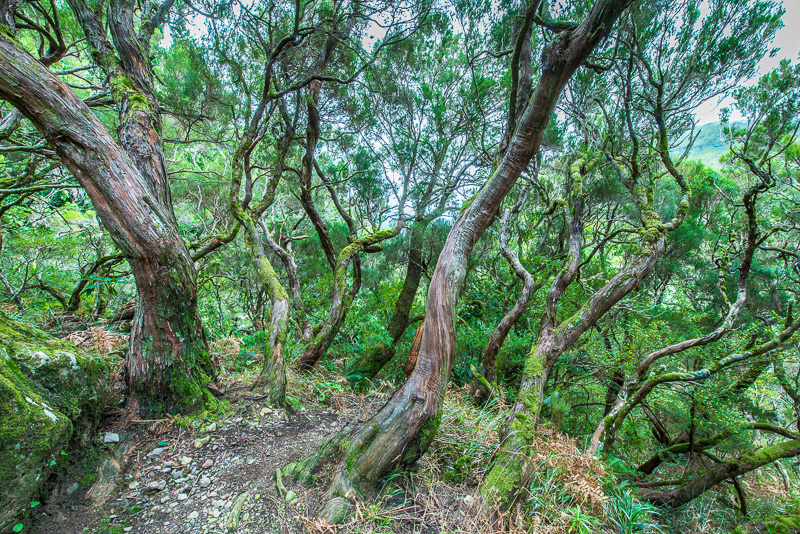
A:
178, 479
185, 476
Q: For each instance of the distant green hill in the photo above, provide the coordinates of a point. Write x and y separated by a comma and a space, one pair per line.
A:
709, 145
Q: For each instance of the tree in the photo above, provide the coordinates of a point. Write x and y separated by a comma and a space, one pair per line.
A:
403, 429
667, 70
167, 365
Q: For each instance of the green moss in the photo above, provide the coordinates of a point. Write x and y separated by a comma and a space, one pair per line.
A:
51, 395
123, 91
8, 34
499, 484
779, 524
423, 440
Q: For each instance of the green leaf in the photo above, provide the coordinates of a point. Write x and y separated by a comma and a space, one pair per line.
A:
34, 504
18, 527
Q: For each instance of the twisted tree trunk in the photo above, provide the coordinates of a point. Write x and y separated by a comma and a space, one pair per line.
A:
406, 425
168, 365
364, 367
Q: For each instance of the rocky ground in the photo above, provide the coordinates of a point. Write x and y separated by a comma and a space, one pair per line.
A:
216, 473
210, 475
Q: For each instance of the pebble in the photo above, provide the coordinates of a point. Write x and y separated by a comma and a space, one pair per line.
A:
194, 515
216, 513
208, 463
199, 443
205, 482
158, 485
133, 485
111, 437
158, 452
182, 496
73, 488
186, 460
212, 427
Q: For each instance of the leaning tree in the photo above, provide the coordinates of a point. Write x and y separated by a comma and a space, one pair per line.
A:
124, 175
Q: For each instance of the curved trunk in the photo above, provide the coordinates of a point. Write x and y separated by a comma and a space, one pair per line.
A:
725, 470
406, 425
342, 298
272, 378
287, 258
364, 367
168, 363
509, 320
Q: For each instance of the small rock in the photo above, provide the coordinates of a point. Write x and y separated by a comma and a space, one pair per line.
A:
127, 529
133, 485
212, 427
73, 488
205, 482
158, 452
290, 497
186, 460
111, 437
182, 496
194, 515
208, 463
201, 442
469, 500
265, 411
157, 485
216, 513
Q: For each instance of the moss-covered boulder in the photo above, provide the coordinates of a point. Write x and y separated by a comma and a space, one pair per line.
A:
778, 524
51, 396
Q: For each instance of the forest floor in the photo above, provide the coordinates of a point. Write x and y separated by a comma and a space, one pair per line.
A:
188, 474
184, 475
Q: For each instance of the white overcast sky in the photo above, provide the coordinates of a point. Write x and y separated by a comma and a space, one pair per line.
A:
787, 39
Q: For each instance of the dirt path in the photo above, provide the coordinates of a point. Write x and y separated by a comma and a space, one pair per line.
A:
188, 480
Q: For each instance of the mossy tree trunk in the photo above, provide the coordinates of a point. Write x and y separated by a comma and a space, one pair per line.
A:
342, 296
168, 365
284, 252
406, 425
365, 366
724, 470
510, 474
272, 378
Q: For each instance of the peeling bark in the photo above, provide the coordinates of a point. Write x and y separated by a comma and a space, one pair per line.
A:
406, 425
168, 363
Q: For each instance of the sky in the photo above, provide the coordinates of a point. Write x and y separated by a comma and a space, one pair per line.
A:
787, 39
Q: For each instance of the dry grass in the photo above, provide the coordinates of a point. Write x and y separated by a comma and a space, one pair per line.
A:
98, 339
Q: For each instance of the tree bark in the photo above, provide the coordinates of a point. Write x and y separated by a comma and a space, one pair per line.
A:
364, 367
168, 363
406, 425
721, 472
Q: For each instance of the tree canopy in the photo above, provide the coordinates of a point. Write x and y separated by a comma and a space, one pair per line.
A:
512, 201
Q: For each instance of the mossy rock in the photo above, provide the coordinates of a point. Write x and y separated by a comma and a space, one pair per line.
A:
51, 396
778, 524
